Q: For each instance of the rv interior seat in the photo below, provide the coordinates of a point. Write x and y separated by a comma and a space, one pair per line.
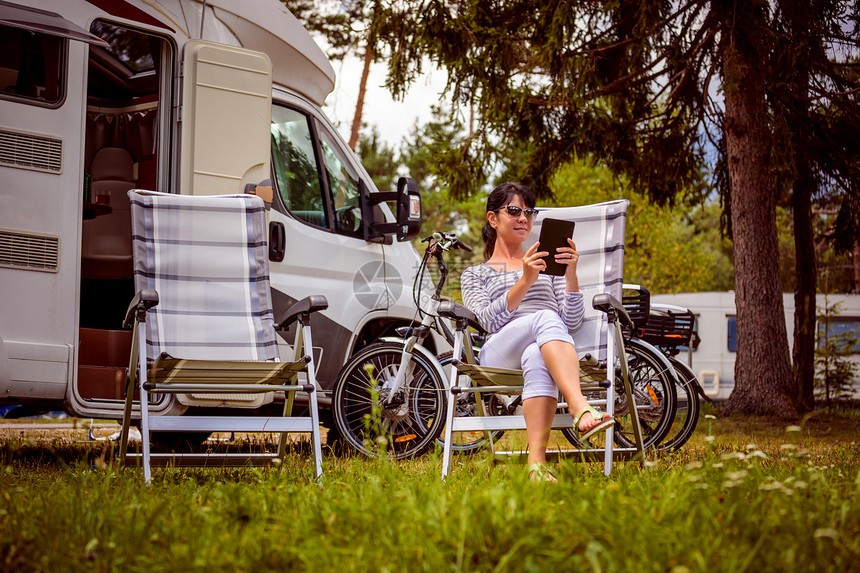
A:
106, 240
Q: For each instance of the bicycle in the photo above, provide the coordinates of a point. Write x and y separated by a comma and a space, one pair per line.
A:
400, 381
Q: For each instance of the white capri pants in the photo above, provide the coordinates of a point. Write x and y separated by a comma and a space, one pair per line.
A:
517, 346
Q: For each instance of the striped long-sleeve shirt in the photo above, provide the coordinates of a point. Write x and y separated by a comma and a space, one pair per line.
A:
485, 292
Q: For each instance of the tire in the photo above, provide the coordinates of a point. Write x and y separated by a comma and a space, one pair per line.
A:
409, 424
653, 380
468, 442
687, 410
653, 384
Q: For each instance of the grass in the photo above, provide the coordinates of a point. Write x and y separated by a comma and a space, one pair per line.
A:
744, 495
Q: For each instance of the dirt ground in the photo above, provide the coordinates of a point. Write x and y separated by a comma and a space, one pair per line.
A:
65, 429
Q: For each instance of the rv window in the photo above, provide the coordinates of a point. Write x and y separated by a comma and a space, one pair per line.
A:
343, 184
733, 334
844, 332
295, 166
128, 46
32, 66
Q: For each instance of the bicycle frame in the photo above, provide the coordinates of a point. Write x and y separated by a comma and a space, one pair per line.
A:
438, 243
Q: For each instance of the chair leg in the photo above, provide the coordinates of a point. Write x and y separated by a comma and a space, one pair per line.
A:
144, 410
287, 412
628, 389
449, 426
611, 351
610, 431
315, 436
312, 400
129, 393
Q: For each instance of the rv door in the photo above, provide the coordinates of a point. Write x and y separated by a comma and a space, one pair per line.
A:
225, 117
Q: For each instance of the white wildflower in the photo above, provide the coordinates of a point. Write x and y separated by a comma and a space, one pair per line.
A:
825, 532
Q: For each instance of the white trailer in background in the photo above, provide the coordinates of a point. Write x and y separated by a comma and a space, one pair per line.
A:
713, 359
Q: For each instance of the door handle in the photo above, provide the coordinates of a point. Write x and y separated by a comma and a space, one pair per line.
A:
277, 241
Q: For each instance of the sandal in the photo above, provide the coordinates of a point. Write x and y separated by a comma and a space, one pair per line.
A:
542, 474
600, 427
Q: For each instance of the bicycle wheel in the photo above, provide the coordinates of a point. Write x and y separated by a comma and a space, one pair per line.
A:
687, 411
653, 383
404, 426
466, 442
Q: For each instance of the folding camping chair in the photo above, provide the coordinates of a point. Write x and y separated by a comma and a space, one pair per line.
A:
599, 238
205, 331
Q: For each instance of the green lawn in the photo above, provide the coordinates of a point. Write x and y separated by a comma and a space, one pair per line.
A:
744, 495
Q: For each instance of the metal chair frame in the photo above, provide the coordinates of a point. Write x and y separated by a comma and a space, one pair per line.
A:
594, 376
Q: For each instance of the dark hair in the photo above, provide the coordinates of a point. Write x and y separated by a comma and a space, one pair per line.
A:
499, 197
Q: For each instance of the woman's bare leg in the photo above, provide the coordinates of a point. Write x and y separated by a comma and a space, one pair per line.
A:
563, 364
539, 412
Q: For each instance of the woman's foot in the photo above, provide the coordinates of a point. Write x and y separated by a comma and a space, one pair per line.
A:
590, 421
540, 473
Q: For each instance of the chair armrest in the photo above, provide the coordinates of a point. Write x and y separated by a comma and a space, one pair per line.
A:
458, 312
611, 306
301, 308
142, 301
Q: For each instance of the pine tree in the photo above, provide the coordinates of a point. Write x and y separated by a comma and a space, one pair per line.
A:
650, 89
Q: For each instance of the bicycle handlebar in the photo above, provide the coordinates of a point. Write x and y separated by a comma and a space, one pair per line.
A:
444, 242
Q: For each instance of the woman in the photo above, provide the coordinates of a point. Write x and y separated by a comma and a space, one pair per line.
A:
530, 316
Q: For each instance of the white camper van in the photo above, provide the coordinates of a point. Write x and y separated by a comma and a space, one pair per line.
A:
713, 357
182, 96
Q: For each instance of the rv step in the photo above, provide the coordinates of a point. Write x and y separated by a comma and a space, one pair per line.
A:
102, 382
230, 424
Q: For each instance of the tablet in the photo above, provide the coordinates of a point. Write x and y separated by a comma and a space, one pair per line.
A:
554, 233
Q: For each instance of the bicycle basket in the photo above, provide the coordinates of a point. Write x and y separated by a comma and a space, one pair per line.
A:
637, 302
669, 327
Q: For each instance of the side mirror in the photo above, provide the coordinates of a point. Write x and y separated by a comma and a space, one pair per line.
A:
407, 211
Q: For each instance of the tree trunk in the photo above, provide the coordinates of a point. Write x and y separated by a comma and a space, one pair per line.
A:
804, 187
806, 274
763, 376
362, 88
855, 256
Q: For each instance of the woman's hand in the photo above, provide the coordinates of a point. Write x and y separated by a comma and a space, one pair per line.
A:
570, 257
533, 264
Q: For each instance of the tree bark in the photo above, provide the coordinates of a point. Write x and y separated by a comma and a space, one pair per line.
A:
362, 88
806, 275
855, 256
763, 375
803, 188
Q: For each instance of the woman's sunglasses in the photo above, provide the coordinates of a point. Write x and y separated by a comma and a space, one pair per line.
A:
514, 211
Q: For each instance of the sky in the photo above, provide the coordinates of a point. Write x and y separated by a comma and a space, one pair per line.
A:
393, 119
